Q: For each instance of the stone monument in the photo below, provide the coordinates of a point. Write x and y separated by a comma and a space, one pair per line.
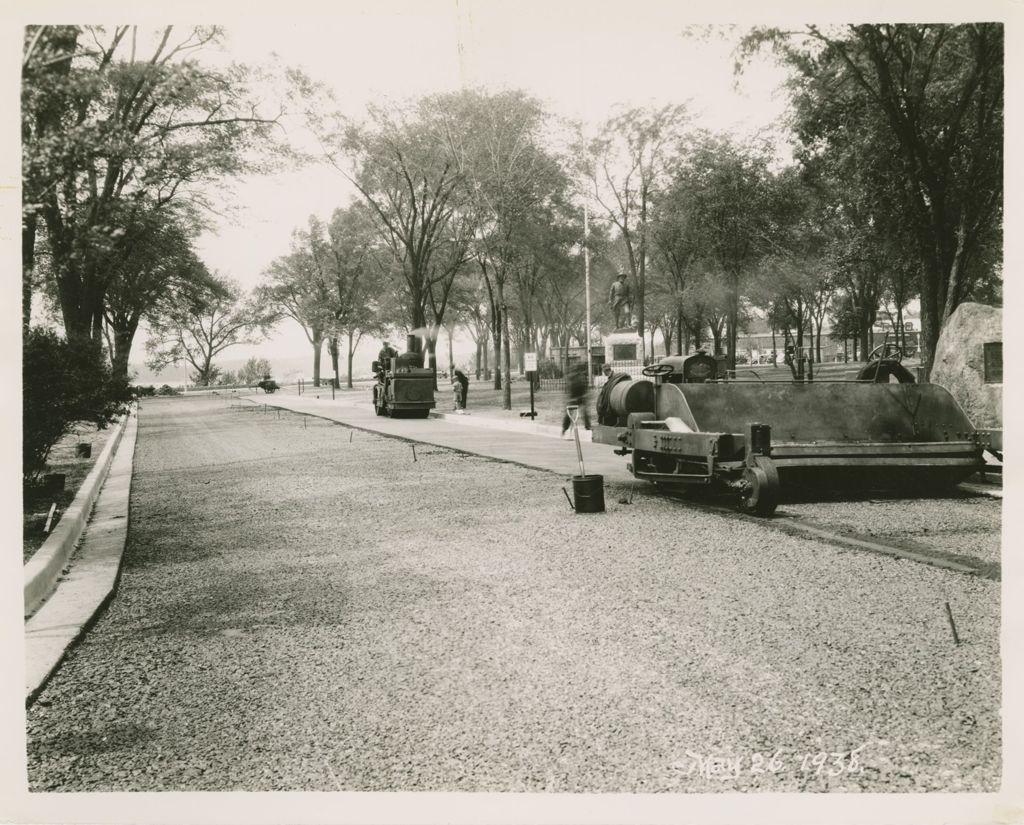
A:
969, 362
622, 345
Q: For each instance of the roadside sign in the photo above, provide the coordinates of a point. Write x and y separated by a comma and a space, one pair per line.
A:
531, 361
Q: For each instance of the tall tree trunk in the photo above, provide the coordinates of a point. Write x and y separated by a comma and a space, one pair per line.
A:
506, 351
123, 338
430, 357
730, 333
499, 318
642, 281
931, 321
28, 246
350, 354
332, 348
63, 41
865, 342
317, 342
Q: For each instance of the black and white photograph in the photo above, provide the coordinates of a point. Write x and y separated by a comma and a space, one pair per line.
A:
472, 411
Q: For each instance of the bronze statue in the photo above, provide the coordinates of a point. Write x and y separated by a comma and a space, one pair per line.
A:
620, 298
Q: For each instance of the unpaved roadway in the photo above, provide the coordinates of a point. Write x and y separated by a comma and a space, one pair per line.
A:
302, 611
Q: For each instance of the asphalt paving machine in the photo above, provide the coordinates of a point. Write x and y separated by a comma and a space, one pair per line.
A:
686, 426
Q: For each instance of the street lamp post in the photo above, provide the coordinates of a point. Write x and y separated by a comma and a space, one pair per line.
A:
586, 281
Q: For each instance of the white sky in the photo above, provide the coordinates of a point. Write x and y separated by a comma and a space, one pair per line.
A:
582, 66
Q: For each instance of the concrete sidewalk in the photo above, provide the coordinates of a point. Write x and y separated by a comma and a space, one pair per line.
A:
91, 575
537, 446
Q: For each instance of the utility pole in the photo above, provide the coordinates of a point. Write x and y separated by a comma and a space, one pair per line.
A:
586, 281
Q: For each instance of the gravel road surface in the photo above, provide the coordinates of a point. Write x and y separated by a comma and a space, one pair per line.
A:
298, 611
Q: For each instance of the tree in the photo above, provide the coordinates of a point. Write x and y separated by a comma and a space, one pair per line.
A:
253, 371
299, 286
734, 210
934, 93
626, 166
796, 282
678, 251
507, 178
202, 328
349, 255
104, 126
155, 270
411, 185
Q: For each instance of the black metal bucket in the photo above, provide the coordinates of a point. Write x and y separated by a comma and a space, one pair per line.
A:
588, 493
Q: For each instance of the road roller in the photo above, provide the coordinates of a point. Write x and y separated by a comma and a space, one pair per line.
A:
683, 426
404, 387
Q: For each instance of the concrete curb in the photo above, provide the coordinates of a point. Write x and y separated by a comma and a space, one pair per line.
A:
43, 569
90, 582
491, 423
469, 419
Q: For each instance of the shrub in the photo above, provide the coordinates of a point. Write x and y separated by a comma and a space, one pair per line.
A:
144, 391
62, 385
167, 389
549, 369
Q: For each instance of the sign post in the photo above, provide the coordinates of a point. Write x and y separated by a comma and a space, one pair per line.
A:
531, 371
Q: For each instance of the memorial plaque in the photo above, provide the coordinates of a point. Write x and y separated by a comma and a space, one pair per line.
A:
623, 352
994, 363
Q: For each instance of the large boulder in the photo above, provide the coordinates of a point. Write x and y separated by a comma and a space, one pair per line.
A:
960, 362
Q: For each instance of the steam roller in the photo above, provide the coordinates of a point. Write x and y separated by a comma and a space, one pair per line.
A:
684, 427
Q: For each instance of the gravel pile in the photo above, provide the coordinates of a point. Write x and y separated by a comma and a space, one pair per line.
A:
298, 611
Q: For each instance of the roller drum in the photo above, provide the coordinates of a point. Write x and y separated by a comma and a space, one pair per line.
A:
630, 397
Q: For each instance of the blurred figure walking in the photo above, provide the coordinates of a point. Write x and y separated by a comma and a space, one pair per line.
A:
576, 396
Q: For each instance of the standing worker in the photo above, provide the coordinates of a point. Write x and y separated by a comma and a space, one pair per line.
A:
576, 396
457, 396
464, 381
386, 352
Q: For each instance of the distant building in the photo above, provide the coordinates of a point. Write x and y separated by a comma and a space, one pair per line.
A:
757, 343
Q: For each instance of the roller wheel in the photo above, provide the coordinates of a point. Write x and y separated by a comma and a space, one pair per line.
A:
378, 406
762, 487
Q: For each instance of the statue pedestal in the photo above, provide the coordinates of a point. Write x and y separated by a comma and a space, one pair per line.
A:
622, 345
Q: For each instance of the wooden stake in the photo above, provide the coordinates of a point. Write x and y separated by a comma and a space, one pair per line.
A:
952, 625
49, 517
413, 452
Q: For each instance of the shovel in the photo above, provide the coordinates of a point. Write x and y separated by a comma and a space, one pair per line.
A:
574, 414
